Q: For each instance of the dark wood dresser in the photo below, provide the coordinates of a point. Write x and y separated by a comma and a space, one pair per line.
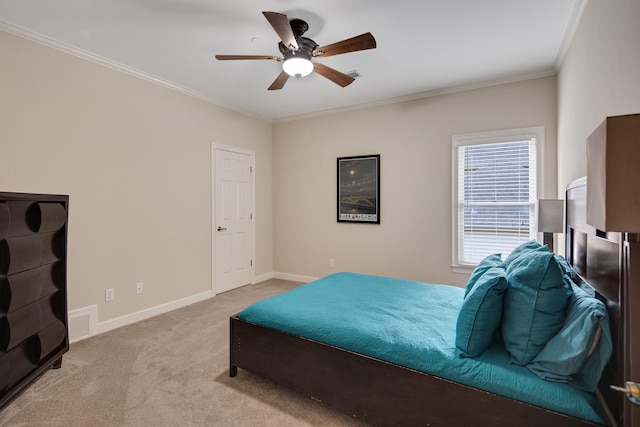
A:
33, 288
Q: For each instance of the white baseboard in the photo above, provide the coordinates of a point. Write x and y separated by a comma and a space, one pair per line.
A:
294, 277
83, 321
262, 278
283, 276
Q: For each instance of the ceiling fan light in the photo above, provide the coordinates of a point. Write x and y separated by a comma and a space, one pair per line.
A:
297, 67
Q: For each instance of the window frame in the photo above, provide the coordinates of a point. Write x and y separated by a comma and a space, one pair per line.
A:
492, 137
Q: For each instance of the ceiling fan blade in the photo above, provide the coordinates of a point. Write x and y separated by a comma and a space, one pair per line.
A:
335, 76
280, 23
362, 42
279, 82
229, 57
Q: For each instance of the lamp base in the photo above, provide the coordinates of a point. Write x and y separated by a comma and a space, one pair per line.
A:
547, 239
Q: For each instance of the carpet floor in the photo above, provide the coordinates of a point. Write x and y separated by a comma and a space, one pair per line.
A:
170, 370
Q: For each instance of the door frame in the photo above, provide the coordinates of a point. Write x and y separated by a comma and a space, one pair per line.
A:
215, 147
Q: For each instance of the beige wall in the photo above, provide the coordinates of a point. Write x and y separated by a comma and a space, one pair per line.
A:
135, 159
599, 77
414, 141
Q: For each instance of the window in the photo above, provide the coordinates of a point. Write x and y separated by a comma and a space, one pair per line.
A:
496, 182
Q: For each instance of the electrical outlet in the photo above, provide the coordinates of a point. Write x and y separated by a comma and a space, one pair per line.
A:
139, 288
109, 294
332, 263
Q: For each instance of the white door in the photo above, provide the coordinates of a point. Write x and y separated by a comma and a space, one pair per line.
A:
233, 219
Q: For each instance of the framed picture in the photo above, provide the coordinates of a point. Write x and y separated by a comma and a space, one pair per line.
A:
359, 189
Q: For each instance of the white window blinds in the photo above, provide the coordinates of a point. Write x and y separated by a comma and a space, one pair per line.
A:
495, 194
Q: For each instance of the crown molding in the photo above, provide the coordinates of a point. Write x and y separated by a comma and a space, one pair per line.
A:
572, 27
96, 59
71, 50
426, 94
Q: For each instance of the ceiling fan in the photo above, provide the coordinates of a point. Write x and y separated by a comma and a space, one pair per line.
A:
298, 51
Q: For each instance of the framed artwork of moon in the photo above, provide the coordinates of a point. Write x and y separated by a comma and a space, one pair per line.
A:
359, 189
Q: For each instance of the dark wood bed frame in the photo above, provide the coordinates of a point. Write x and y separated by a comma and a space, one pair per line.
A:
382, 393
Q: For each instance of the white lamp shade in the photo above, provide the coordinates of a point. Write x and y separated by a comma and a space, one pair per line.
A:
550, 215
297, 67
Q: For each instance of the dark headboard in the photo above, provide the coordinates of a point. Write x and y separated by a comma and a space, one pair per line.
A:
598, 259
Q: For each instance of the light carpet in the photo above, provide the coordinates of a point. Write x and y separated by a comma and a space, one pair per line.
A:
170, 370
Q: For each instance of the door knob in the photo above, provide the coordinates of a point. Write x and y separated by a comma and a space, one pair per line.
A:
222, 228
631, 389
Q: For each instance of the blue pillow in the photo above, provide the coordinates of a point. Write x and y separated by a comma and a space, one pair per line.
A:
493, 260
534, 304
526, 247
566, 268
481, 313
579, 352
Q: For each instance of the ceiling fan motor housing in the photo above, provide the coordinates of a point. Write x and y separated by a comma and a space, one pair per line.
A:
306, 48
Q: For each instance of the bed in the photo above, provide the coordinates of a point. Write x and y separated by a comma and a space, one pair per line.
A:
341, 365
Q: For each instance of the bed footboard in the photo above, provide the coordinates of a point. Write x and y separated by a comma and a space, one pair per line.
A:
375, 391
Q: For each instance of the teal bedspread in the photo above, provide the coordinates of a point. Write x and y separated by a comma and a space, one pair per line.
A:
411, 324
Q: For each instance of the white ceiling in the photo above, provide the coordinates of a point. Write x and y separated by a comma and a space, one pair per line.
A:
422, 45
